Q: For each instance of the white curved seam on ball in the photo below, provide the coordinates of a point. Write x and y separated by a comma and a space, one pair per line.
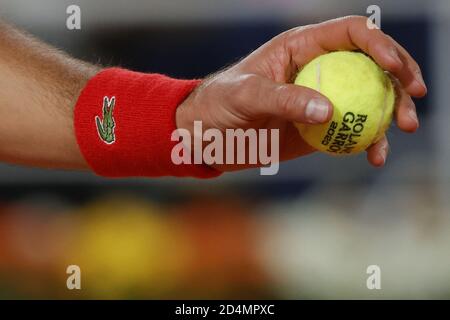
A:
318, 75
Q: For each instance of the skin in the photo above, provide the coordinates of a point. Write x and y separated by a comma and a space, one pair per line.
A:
257, 92
39, 87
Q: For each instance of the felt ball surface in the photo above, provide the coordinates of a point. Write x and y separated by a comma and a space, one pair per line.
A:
363, 100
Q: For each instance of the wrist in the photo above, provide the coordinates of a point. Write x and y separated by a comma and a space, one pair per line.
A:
124, 121
185, 113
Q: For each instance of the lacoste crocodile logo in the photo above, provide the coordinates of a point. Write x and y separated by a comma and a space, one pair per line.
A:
105, 126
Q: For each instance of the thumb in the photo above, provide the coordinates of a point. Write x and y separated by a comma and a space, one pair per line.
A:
294, 103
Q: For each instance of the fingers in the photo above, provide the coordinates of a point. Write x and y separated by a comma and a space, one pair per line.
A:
388, 54
353, 33
299, 104
410, 76
377, 153
263, 97
405, 111
406, 117
258, 97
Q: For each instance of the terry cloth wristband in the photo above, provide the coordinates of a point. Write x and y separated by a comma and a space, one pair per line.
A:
124, 121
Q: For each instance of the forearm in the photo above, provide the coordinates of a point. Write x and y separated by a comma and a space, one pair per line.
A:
39, 87
53, 114
134, 136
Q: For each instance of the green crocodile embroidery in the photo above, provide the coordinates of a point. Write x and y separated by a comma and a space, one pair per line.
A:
105, 126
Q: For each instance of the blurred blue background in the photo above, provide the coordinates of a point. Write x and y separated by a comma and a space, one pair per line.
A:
309, 232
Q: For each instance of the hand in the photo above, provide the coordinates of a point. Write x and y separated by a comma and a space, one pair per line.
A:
257, 92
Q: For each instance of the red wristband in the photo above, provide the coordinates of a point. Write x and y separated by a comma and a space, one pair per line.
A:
124, 121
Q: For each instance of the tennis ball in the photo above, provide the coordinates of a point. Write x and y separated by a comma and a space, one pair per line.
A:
363, 98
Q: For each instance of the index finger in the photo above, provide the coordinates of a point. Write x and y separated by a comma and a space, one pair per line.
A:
353, 33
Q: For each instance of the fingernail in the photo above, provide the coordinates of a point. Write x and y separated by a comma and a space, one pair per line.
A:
420, 80
413, 115
384, 150
317, 111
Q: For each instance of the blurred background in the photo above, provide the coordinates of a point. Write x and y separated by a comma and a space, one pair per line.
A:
309, 232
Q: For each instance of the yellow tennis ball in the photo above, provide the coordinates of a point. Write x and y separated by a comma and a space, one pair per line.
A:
363, 98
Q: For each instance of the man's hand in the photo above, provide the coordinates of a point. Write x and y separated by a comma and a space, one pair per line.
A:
257, 92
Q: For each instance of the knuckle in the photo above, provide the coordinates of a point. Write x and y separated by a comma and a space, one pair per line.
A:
248, 80
295, 31
355, 19
284, 99
373, 44
350, 19
295, 36
242, 87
